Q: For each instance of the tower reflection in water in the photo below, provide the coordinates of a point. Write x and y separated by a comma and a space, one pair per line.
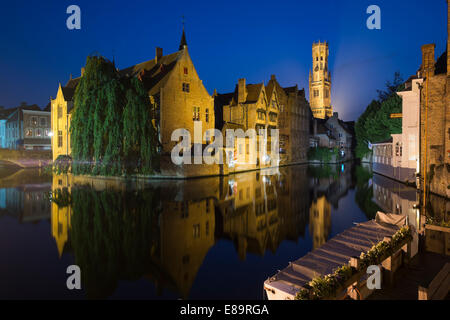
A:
162, 231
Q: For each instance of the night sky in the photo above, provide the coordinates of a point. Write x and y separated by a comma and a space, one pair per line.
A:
227, 40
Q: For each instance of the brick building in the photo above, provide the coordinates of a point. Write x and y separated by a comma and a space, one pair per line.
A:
293, 122
320, 82
177, 95
435, 119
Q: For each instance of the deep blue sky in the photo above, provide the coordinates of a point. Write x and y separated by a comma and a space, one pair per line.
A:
227, 40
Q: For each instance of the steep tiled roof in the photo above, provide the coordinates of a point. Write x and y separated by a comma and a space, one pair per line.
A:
68, 93
224, 99
5, 113
154, 75
289, 90
441, 64
408, 83
253, 92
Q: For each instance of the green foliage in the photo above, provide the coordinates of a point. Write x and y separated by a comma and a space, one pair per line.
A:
380, 251
375, 124
111, 129
438, 222
364, 193
324, 155
115, 236
62, 164
327, 286
61, 197
139, 138
323, 171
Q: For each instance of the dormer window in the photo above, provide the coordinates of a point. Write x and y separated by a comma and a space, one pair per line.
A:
185, 71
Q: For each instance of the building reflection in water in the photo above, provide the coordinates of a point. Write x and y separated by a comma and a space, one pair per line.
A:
397, 198
163, 230
257, 211
320, 221
24, 196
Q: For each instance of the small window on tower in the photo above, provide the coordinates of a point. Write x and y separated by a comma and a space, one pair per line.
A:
321, 58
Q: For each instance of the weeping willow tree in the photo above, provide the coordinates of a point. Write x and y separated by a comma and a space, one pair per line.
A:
114, 236
111, 129
139, 135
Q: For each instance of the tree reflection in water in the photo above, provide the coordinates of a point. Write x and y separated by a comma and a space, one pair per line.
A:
114, 235
163, 231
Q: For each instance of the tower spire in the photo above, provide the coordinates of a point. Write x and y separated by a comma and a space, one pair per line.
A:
183, 41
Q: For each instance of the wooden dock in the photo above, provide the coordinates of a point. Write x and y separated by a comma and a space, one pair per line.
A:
324, 260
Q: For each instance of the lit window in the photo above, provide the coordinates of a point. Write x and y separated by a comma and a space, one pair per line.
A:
60, 139
33, 121
196, 114
29, 133
196, 231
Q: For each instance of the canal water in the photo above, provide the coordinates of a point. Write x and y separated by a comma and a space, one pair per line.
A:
212, 238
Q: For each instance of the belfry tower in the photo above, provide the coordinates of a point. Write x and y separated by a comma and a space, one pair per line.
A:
320, 82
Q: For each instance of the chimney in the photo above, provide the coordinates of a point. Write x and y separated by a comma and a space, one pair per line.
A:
159, 54
428, 61
242, 91
82, 71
